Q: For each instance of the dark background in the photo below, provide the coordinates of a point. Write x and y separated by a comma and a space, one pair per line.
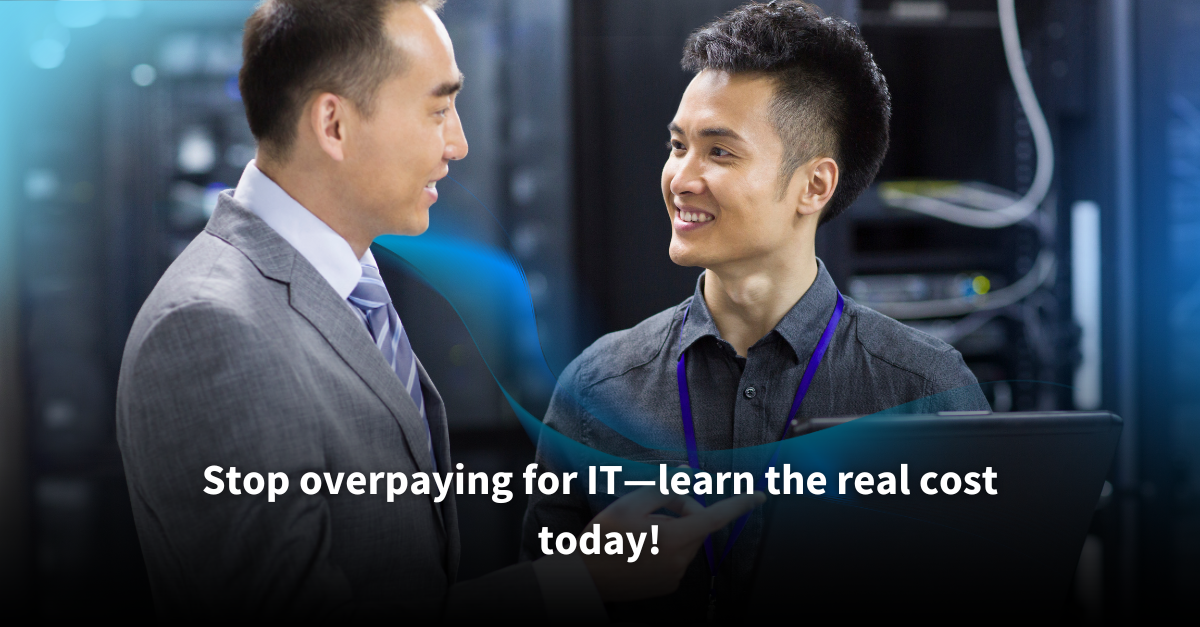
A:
103, 181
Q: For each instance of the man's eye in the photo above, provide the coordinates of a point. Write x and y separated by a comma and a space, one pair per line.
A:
720, 152
674, 144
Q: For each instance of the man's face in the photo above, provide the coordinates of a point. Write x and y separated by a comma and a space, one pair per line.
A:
721, 180
407, 144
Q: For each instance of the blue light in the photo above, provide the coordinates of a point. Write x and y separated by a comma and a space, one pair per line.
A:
124, 9
232, 90
143, 75
79, 13
47, 53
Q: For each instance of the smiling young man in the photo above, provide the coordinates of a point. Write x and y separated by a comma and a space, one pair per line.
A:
783, 126
271, 346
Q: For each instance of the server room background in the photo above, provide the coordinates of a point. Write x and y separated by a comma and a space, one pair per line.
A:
121, 121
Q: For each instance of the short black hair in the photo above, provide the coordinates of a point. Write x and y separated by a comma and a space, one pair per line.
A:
292, 49
831, 99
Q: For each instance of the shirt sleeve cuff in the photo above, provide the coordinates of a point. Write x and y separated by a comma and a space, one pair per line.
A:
568, 590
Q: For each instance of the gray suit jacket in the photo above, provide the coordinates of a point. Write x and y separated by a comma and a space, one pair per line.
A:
244, 356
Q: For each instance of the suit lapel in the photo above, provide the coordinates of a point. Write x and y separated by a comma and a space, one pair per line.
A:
314, 299
435, 411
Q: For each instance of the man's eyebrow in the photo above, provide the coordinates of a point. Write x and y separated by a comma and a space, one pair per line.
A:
719, 131
448, 88
715, 131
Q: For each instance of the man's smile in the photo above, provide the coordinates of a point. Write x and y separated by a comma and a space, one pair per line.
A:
431, 186
688, 218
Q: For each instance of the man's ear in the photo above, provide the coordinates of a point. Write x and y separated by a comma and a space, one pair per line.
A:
327, 118
820, 181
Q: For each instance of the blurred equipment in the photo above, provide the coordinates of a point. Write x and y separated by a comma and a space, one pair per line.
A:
940, 242
1085, 300
124, 144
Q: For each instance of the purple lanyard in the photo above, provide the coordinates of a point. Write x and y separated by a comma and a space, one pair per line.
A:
689, 428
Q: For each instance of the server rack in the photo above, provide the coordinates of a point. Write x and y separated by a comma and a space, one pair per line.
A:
1004, 293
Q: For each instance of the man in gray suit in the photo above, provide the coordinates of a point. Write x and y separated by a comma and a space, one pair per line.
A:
271, 346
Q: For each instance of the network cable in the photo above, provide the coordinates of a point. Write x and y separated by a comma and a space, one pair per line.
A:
1042, 270
983, 206
976, 205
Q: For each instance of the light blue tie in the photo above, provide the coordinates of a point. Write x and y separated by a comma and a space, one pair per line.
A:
371, 299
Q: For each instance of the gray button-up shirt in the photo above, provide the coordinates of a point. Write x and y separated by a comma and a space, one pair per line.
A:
621, 397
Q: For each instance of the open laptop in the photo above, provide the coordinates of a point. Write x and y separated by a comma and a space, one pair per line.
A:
920, 557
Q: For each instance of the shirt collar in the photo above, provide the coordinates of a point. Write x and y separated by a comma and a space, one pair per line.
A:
800, 328
319, 244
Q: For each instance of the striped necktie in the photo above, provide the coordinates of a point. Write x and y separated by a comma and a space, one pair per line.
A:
371, 299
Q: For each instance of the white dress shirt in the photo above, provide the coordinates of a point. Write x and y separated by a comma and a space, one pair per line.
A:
320, 245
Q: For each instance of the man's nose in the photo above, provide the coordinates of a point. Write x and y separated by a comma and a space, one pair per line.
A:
687, 178
456, 140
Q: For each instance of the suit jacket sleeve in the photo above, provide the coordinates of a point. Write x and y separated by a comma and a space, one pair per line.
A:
201, 386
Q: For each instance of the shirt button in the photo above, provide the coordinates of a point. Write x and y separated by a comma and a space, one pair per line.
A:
750, 392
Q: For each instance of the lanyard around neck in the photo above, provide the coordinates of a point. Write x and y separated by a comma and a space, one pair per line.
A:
689, 428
